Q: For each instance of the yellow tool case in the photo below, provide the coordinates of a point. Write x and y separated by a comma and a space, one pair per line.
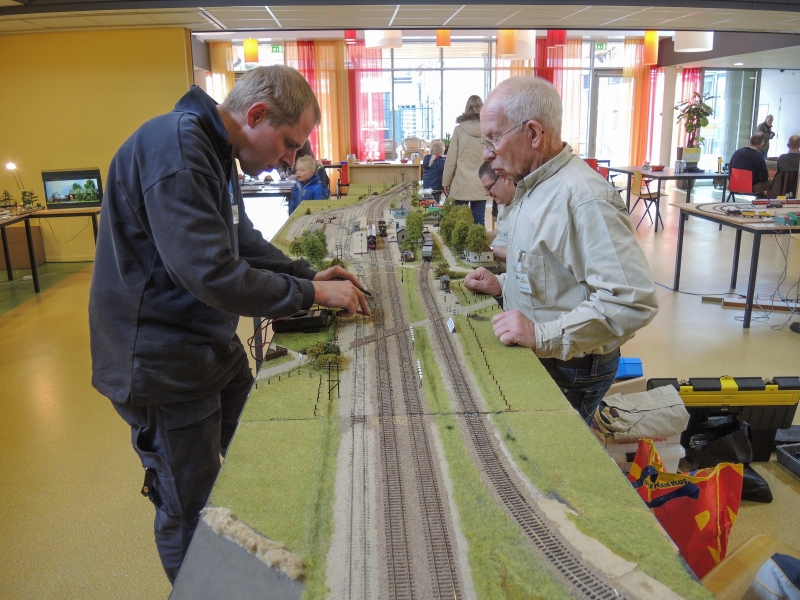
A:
766, 404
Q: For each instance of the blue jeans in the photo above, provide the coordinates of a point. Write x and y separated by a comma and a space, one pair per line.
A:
179, 446
478, 208
585, 388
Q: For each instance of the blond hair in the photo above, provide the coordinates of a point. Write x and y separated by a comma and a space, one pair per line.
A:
308, 162
287, 94
472, 111
437, 147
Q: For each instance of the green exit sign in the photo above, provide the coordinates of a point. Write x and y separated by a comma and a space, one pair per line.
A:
600, 46
277, 48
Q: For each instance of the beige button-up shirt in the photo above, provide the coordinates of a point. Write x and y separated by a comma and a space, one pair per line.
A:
574, 266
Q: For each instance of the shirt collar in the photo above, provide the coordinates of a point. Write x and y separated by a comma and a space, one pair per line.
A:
544, 172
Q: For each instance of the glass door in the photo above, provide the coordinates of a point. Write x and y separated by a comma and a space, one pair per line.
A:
610, 117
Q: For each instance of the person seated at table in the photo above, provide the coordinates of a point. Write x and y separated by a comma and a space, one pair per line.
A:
308, 186
791, 160
749, 158
433, 168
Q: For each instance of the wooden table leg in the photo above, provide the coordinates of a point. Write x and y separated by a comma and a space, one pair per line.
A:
676, 284
628, 193
735, 270
9, 270
751, 282
32, 255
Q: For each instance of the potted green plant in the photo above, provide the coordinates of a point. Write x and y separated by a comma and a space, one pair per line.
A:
446, 141
693, 113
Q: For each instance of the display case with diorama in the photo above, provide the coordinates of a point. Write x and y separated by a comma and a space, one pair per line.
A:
74, 188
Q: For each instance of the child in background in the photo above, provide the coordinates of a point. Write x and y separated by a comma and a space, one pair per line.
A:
308, 185
432, 169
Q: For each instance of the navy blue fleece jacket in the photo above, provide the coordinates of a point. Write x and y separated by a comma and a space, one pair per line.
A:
174, 266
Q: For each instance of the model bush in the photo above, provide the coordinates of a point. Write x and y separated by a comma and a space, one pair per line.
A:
414, 225
477, 240
311, 246
442, 268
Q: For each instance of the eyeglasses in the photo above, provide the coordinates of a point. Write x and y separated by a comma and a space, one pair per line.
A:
491, 145
488, 190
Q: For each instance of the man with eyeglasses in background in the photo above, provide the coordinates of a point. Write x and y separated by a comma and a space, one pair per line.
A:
501, 190
578, 285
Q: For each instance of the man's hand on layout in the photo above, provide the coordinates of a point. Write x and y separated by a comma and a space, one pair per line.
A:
481, 280
337, 272
341, 294
513, 328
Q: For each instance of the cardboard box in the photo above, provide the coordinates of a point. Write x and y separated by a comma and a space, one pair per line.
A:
18, 247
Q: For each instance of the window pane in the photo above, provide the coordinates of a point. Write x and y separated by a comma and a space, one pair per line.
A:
614, 119
417, 104
458, 87
733, 96
610, 54
266, 57
466, 55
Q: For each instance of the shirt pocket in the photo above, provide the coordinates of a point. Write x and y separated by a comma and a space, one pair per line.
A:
534, 266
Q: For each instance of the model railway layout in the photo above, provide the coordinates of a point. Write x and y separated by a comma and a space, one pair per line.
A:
398, 529
585, 581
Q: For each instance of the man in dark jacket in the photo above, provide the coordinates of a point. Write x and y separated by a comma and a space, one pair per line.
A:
749, 158
766, 129
177, 261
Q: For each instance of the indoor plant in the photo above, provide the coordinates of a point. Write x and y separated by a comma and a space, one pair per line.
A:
694, 113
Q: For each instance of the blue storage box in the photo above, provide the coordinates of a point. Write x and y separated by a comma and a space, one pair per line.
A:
629, 368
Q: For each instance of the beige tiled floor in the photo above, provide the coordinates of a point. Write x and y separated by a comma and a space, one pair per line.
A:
73, 525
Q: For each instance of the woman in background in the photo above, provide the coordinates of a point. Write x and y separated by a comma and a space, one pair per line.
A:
464, 158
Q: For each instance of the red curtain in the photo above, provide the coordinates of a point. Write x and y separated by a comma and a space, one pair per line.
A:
541, 68
367, 122
691, 82
306, 66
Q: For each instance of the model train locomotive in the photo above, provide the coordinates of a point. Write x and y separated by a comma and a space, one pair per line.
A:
372, 240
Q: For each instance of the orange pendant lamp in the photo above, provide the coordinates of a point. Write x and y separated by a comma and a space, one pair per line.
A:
556, 37
250, 50
506, 43
651, 47
442, 38
350, 36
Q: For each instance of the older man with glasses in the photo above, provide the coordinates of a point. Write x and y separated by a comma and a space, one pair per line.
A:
578, 285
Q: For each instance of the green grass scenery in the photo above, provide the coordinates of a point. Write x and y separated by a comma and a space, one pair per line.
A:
413, 302
560, 456
278, 476
296, 340
535, 391
501, 561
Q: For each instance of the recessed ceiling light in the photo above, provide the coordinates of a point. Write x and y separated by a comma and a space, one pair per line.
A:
738, 64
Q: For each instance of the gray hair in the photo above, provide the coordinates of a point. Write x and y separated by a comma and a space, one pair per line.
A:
534, 98
287, 94
757, 139
794, 142
437, 147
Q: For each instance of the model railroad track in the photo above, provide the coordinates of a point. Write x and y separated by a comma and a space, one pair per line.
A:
358, 583
584, 581
443, 571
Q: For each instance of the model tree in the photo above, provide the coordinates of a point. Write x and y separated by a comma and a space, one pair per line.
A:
91, 189
28, 198
414, 225
477, 240
451, 217
6, 198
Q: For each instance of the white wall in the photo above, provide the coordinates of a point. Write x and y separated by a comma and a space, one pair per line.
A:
774, 86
